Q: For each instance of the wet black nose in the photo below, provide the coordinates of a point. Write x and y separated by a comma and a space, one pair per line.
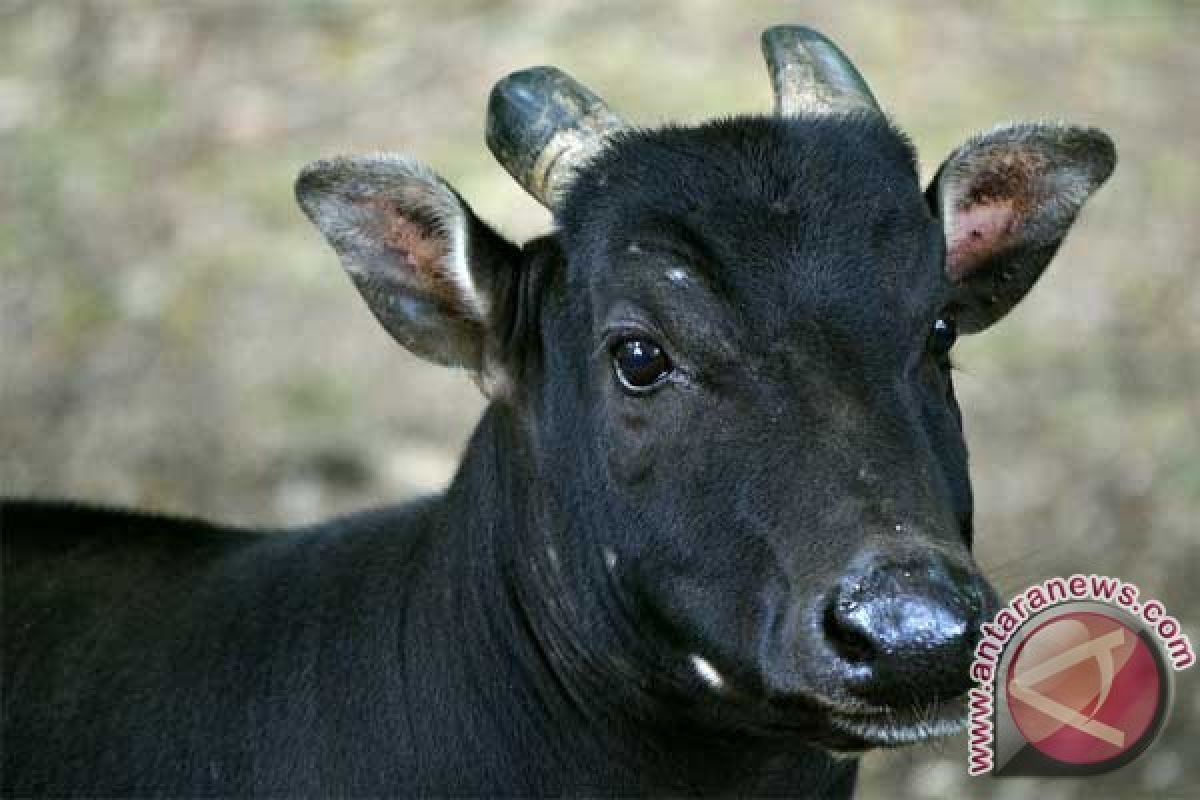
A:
905, 629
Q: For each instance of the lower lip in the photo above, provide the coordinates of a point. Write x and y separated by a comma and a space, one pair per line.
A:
885, 730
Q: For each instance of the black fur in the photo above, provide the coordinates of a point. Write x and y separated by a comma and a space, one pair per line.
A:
532, 630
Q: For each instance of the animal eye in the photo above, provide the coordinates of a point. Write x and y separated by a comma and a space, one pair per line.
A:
943, 336
640, 364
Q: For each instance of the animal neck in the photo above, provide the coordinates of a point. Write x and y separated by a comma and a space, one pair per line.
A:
576, 667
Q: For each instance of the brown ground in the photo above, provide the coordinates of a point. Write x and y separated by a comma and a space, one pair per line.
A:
173, 334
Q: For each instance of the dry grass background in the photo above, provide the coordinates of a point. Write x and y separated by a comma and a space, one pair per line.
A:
173, 334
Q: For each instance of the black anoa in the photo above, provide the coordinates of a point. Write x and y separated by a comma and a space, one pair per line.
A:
711, 536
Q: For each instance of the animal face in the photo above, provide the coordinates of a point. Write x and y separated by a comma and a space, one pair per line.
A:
770, 396
730, 367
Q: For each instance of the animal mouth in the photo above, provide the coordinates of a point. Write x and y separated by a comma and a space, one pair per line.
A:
896, 727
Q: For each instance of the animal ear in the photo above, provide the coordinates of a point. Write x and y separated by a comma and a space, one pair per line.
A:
1006, 199
426, 265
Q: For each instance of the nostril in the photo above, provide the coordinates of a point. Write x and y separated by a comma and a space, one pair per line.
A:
987, 601
904, 627
904, 612
845, 630
983, 605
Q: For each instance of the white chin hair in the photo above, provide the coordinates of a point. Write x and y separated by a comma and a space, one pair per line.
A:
899, 728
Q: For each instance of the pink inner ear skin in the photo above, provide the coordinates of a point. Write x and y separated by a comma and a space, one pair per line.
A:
420, 253
420, 250
980, 232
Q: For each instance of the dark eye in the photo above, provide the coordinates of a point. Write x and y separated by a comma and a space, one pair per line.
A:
640, 364
943, 336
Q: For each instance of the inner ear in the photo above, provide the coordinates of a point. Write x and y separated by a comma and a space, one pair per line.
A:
1006, 199
990, 192
982, 227
418, 255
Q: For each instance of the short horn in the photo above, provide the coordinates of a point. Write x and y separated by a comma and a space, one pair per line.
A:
811, 75
542, 126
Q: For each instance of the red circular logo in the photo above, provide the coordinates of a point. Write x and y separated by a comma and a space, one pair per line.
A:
1084, 688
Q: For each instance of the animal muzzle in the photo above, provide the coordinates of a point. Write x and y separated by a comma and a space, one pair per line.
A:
902, 628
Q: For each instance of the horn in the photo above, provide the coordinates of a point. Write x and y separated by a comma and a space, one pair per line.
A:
811, 75
542, 125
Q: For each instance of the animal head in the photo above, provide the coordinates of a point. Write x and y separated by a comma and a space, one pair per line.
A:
731, 362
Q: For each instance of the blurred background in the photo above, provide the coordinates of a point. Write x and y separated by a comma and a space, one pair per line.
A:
174, 335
